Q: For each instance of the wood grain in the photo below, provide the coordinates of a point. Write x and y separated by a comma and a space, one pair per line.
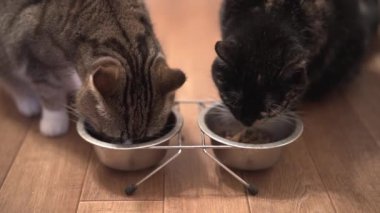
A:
47, 175
345, 154
292, 185
106, 184
13, 129
195, 183
188, 31
334, 167
364, 93
120, 207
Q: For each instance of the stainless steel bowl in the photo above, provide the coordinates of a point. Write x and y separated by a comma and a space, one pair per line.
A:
131, 157
214, 122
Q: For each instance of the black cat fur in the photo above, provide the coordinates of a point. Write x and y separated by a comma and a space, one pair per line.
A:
275, 53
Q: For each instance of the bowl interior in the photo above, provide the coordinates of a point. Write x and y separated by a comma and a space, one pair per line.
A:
170, 123
172, 128
216, 121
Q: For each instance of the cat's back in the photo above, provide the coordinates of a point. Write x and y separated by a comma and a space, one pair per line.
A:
12, 8
56, 16
18, 17
40, 23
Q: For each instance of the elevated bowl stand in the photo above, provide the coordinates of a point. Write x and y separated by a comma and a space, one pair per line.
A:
251, 189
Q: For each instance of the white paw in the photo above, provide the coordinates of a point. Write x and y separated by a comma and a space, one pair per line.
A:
54, 123
28, 106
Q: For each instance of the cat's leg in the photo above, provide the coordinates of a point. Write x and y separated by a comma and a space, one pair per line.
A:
27, 102
54, 122
55, 118
53, 95
14, 81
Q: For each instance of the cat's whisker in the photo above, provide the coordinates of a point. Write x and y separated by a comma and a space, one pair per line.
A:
300, 112
73, 114
288, 116
288, 121
285, 118
222, 109
70, 107
292, 117
73, 120
73, 111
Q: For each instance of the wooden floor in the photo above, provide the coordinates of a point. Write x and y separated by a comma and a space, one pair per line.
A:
334, 167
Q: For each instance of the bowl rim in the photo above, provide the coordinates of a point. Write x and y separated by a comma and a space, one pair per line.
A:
98, 143
299, 127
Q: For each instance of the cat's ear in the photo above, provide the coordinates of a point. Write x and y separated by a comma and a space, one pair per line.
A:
167, 79
227, 51
106, 76
171, 80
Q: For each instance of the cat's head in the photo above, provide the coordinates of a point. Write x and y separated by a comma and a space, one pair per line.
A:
260, 76
120, 104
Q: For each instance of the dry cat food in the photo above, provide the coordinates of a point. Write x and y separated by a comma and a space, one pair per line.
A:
251, 136
167, 128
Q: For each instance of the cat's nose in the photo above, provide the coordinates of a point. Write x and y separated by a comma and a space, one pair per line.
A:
245, 118
247, 121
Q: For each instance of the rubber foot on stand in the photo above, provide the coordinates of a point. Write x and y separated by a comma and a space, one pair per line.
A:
252, 190
130, 190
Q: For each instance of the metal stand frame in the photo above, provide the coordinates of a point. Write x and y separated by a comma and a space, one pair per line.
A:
252, 190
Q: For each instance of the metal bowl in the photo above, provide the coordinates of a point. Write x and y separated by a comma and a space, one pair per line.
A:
248, 156
136, 156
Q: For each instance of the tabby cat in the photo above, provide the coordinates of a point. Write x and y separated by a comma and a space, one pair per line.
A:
274, 52
105, 48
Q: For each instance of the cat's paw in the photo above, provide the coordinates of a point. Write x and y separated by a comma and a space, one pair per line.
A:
28, 106
54, 123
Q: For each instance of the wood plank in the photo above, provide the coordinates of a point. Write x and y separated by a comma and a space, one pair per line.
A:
104, 184
338, 153
188, 31
364, 94
292, 185
202, 203
121, 207
195, 183
47, 175
13, 128
345, 154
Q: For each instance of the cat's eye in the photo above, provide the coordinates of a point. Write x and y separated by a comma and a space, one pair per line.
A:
298, 77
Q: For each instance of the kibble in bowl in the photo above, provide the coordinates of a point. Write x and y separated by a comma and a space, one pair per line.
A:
250, 136
255, 148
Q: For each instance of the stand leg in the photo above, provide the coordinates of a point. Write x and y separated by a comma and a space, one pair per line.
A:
252, 190
130, 190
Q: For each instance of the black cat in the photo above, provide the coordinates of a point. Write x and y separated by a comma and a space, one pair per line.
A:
275, 52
